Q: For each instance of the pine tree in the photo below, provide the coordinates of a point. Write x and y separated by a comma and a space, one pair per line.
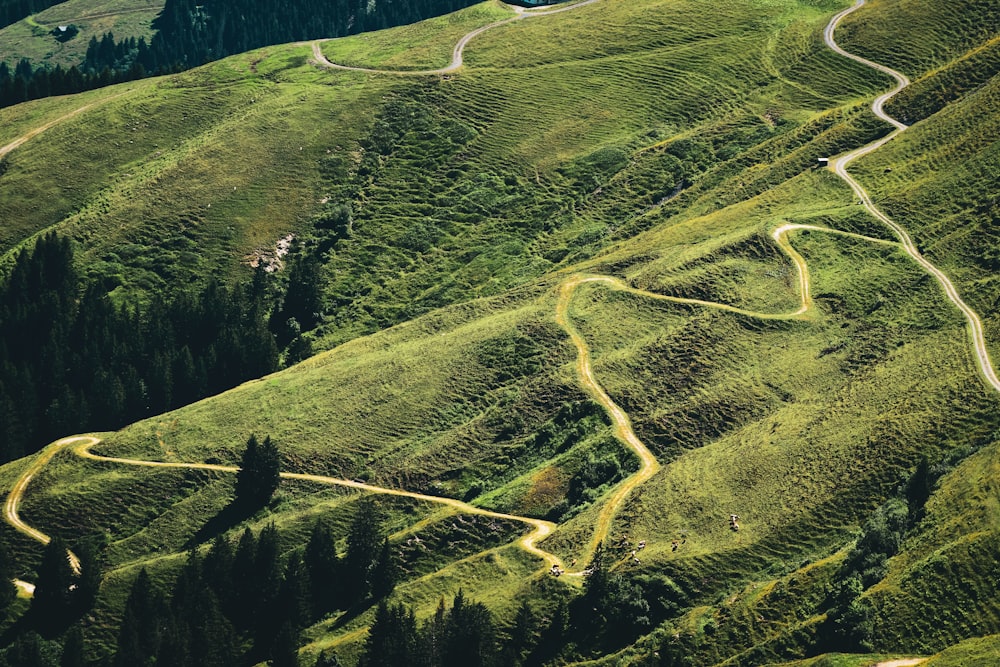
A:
268, 614
294, 600
471, 634
285, 652
259, 473
364, 543
212, 641
218, 571
552, 637
522, 636
139, 636
89, 580
385, 573
596, 587
323, 567
303, 300
7, 589
52, 604
267, 569
245, 590
918, 490
30, 650
72, 652
432, 637
392, 638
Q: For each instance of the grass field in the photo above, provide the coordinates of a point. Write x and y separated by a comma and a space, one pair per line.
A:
31, 38
419, 46
635, 140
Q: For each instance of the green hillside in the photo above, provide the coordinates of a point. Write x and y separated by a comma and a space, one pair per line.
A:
660, 154
32, 37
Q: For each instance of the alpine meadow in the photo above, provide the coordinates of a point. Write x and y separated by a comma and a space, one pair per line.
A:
434, 333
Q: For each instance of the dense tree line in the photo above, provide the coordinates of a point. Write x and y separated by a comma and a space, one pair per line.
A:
25, 82
192, 32
12, 11
245, 604
244, 601
71, 360
612, 611
63, 594
850, 621
7, 589
465, 635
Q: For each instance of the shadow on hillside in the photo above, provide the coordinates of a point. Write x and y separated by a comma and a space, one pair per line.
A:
228, 517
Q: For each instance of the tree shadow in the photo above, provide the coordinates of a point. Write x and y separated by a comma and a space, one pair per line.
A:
228, 517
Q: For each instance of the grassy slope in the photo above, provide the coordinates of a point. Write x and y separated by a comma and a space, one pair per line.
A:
939, 179
915, 36
943, 182
948, 557
140, 181
420, 46
30, 37
444, 219
801, 427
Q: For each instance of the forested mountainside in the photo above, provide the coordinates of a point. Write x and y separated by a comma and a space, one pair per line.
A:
193, 32
15, 10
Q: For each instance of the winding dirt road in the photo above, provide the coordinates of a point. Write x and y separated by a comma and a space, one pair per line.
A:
840, 165
85, 443
456, 53
10, 513
622, 424
82, 445
623, 428
648, 465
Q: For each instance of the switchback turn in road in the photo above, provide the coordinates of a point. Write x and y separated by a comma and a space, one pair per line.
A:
84, 444
840, 167
648, 465
623, 430
12, 517
540, 528
456, 53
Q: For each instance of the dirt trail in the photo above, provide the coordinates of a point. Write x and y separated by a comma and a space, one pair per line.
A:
41, 128
10, 507
623, 428
622, 424
4, 150
540, 529
529, 542
840, 165
648, 465
89, 17
456, 53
